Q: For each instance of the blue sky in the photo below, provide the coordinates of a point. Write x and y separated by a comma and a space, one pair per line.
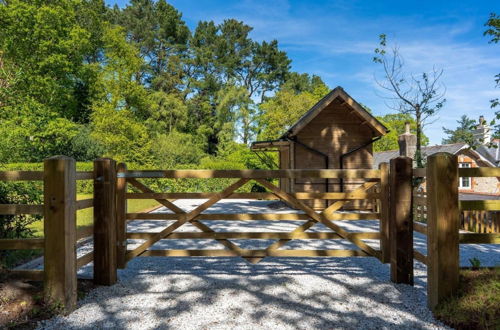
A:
336, 39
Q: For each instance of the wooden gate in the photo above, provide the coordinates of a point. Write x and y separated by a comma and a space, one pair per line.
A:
375, 183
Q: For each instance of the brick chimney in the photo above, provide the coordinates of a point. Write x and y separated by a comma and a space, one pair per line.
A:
407, 142
482, 133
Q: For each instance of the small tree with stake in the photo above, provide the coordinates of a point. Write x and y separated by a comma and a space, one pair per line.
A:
420, 96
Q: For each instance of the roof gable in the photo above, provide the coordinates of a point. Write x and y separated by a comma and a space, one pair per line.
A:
338, 92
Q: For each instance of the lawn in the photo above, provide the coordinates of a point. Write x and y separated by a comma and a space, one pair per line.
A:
476, 305
85, 217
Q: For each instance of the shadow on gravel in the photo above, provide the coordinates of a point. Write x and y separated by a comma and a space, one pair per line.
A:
295, 293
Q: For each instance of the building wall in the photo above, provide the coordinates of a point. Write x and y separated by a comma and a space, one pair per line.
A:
335, 131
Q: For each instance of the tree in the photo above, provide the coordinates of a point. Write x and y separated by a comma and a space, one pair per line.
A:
463, 132
493, 31
396, 123
282, 110
421, 96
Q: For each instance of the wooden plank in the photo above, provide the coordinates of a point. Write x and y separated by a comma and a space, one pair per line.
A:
420, 257
85, 259
60, 285
253, 216
384, 207
473, 238
418, 200
266, 196
22, 244
255, 174
27, 274
17, 209
420, 227
401, 222
21, 175
105, 222
145, 189
87, 175
186, 218
254, 235
479, 172
254, 253
442, 227
419, 172
480, 205
121, 220
84, 203
84, 232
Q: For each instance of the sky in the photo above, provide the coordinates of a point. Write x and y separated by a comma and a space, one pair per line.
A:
336, 40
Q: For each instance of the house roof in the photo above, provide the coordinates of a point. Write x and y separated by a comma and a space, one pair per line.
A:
337, 92
386, 156
491, 152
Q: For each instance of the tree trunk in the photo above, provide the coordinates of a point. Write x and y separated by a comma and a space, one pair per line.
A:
418, 153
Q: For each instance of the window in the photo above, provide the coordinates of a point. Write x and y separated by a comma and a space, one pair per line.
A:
464, 182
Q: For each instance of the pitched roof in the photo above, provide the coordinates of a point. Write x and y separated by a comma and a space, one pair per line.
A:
339, 92
386, 156
491, 152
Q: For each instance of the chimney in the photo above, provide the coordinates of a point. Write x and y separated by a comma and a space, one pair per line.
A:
407, 142
482, 133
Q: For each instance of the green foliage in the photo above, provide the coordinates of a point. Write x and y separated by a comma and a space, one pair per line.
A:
463, 132
170, 150
475, 263
396, 124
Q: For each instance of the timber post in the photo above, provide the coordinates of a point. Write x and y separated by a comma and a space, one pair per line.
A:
105, 221
121, 222
443, 222
384, 209
59, 187
401, 220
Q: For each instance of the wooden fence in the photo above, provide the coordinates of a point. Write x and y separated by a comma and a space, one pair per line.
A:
400, 211
438, 214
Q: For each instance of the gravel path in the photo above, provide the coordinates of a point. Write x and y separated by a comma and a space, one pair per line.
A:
283, 293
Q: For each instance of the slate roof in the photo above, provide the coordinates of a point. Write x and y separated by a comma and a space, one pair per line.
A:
386, 156
492, 153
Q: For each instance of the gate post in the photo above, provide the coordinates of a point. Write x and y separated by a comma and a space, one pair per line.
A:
384, 209
443, 224
104, 221
401, 220
121, 221
59, 190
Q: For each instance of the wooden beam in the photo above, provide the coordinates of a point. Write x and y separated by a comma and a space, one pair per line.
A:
60, 285
443, 224
420, 257
84, 203
22, 243
105, 221
87, 175
479, 172
384, 207
474, 238
121, 220
85, 259
28, 274
253, 235
254, 253
84, 232
253, 216
21, 176
401, 221
419, 172
480, 205
266, 196
420, 227
255, 174
17, 209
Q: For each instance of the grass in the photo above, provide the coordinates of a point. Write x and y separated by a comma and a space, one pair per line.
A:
85, 217
477, 302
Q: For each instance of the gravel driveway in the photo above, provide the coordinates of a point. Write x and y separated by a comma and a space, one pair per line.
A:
283, 293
